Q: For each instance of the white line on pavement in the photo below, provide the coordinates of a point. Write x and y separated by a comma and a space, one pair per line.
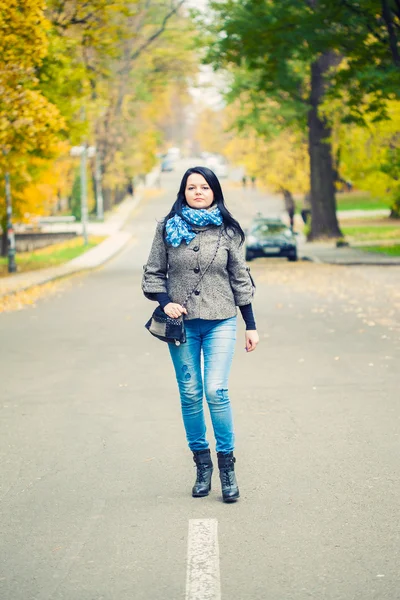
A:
202, 576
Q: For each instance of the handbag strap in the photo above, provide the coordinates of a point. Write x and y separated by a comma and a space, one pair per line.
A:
205, 270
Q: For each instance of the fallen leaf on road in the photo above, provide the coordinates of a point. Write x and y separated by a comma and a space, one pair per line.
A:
26, 298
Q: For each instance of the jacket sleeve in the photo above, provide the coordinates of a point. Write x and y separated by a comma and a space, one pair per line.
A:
241, 281
154, 279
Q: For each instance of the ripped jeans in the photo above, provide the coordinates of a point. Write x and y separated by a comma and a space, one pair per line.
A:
217, 341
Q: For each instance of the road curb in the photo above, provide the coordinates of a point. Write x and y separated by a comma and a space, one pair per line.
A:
90, 260
313, 259
351, 263
68, 269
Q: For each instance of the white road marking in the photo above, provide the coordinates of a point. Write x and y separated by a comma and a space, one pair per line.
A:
202, 576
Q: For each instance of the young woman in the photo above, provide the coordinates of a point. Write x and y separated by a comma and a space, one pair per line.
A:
199, 238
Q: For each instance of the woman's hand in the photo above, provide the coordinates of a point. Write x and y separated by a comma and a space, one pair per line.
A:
174, 310
252, 340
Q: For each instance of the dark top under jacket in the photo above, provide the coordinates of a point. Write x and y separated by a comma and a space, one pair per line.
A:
247, 311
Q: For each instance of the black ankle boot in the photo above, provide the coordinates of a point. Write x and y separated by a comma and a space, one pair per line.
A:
226, 465
204, 465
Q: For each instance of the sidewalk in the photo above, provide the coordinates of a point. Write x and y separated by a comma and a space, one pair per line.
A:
363, 214
327, 252
116, 240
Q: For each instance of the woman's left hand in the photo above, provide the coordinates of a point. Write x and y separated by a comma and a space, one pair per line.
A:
252, 340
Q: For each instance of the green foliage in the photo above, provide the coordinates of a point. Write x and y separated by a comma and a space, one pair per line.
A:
264, 45
370, 155
75, 198
370, 71
273, 51
277, 41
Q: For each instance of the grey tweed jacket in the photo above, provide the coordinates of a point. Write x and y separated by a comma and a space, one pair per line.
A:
226, 284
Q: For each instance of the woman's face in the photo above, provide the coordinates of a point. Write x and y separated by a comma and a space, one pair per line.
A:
198, 193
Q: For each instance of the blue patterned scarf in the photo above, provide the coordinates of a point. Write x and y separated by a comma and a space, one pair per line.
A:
178, 229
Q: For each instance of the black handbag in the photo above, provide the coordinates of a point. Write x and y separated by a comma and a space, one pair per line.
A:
166, 328
171, 330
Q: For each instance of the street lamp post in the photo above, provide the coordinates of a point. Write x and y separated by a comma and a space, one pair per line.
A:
12, 267
99, 191
84, 151
84, 209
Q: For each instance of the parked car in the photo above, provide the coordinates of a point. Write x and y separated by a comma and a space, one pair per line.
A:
216, 163
221, 170
270, 237
167, 165
174, 153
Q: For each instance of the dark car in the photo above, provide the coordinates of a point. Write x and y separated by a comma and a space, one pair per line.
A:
270, 237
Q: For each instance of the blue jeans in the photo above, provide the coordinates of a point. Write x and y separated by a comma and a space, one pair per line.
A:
217, 340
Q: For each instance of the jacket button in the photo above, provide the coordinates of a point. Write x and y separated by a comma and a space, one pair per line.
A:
196, 249
197, 293
196, 270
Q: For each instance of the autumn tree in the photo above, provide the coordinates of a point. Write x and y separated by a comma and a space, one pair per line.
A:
98, 71
370, 155
298, 54
122, 56
29, 122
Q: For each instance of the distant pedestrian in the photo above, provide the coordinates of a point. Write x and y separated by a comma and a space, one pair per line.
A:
196, 270
244, 181
289, 206
253, 181
306, 210
130, 189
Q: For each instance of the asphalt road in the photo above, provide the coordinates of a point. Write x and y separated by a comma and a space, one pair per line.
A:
95, 475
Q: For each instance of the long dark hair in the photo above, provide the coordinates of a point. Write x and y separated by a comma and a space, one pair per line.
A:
231, 225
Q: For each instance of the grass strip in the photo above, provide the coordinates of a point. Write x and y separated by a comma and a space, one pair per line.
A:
388, 250
51, 256
360, 201
371, 232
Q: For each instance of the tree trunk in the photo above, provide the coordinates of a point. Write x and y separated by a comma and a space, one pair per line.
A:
3, 243
3, 236
323, 203
388, 18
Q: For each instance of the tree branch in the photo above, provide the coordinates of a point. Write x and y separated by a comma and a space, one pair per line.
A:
157, 33
130, 59
360, 13
387, 17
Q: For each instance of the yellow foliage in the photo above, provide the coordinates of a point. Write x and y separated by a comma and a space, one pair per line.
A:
210, 130
280, 163
29, 123
23, 41
363, 151
104, 56
43, 194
